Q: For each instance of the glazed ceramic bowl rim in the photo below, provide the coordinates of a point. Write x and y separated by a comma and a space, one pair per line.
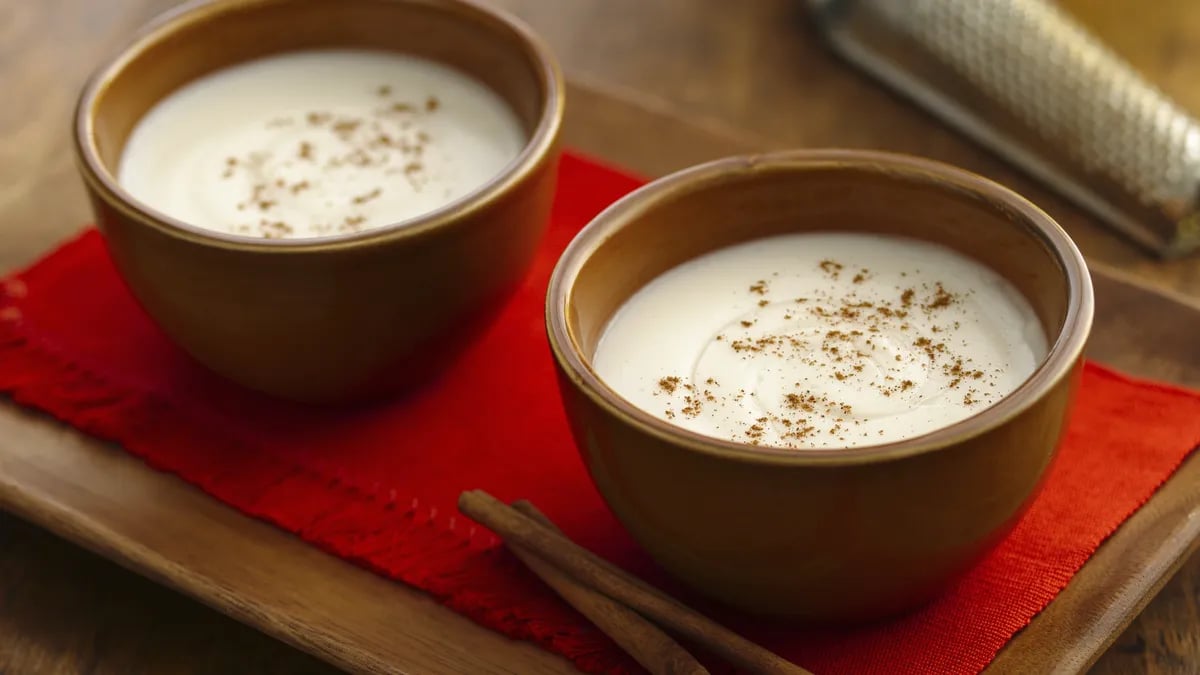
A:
1066, 349
536, 151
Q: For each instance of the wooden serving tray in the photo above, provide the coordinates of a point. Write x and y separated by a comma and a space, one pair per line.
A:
99, 497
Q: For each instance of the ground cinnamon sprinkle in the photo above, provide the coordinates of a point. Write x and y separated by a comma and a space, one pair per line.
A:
275, 229
925, 344
861, 327
941, 298
755, 432
364, 198
386, 137
669, 384
345, 127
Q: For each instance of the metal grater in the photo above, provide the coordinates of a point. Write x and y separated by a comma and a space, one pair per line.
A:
1026, 80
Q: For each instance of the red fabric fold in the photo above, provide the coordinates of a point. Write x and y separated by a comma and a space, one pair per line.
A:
377, 485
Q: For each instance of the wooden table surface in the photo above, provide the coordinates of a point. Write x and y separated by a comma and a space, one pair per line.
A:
752, 65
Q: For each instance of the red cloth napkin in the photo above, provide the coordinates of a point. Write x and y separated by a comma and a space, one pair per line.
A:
378, 485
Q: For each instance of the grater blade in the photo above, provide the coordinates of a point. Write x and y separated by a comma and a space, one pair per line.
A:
1026, 80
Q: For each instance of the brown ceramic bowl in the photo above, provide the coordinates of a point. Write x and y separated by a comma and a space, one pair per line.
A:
336, 317
840, 535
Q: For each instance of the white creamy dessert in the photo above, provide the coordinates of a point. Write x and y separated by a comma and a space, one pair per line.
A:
821, 340
316, 143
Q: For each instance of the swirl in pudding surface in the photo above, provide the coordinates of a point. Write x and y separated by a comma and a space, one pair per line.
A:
821, 340
317, 143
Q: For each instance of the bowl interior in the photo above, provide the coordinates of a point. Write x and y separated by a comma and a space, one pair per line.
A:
720, 204
200, 39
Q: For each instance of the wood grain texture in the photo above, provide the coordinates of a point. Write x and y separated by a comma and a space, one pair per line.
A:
750, 65
64, 610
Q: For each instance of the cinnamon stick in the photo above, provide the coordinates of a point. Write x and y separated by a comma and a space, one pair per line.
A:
587, 569
649, 646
